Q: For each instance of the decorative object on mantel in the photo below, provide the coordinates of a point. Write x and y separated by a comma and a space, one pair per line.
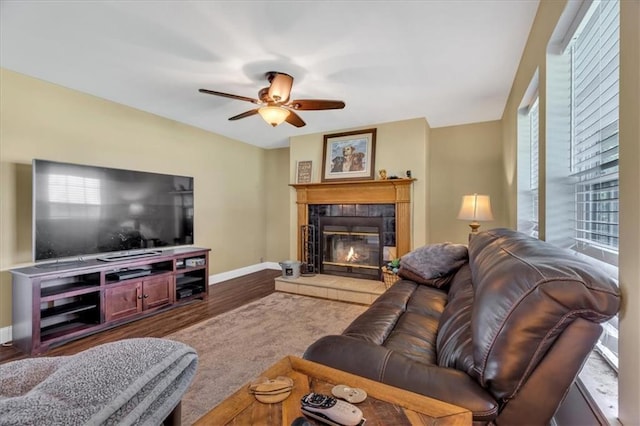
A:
303, 171
349, 156
475, 208
383, 174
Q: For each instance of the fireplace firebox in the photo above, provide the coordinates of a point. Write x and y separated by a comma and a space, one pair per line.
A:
351, 246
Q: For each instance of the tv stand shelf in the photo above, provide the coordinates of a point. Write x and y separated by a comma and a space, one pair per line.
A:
69, 308
67, 290
69, 300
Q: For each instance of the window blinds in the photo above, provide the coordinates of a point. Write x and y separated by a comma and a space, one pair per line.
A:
534, 159
594, 147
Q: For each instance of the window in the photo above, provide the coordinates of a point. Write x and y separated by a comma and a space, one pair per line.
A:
594, 142
528, 158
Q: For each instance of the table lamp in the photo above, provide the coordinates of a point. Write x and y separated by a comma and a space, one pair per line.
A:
475, 208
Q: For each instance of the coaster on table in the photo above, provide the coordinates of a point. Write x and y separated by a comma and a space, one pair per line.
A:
271, 391
349, 394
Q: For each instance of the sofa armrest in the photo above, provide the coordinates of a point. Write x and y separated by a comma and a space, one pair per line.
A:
347, 353
378, 363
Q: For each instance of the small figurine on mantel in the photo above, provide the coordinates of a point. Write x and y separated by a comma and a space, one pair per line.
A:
383, 174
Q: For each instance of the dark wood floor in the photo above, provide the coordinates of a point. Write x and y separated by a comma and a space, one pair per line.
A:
223, 297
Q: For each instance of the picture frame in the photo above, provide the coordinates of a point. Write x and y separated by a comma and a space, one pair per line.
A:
303, 171
349, 156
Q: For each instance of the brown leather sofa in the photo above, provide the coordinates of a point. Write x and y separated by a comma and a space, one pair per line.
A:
505, 338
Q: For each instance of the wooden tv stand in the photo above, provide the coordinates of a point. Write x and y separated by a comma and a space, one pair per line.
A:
57, 302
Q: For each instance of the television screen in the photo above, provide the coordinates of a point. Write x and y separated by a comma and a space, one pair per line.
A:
81, 210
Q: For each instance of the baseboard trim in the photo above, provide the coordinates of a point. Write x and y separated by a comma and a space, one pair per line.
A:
5, 334
235, 273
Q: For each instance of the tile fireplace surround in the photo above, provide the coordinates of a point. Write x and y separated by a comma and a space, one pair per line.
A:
395, 192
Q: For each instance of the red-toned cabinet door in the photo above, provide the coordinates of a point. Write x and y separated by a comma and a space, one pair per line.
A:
123, 301
156, 292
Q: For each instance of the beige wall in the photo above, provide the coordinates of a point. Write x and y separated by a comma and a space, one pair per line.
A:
534, 57
42, 120
465, 159
400, 146
277, 205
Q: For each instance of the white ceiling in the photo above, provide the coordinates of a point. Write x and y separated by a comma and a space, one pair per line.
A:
452, 62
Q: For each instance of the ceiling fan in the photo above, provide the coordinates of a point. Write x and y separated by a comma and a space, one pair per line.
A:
275, 106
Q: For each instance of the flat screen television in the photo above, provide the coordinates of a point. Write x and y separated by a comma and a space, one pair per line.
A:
87, 211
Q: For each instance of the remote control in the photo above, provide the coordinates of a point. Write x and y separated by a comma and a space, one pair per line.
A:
330, 410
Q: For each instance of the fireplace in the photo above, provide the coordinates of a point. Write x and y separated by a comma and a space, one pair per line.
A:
351, 246
387, 202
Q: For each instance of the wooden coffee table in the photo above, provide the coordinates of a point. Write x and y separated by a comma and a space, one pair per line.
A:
385, 405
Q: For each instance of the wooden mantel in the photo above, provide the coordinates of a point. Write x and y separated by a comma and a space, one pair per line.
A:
390, 191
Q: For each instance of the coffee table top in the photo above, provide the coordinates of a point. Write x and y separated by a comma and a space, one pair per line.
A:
385, 405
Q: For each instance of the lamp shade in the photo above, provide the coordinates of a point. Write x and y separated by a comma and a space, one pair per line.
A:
273, 115
280, 87
476, 208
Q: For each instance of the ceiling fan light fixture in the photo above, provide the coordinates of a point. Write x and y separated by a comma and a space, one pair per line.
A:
274, 115
273, 102
280, 86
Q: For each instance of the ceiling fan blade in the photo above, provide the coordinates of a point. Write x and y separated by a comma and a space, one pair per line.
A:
295, 119
244, 114
280, 87
314, 104
228, 95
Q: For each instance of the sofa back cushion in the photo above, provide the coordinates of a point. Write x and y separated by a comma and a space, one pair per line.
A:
454, 348
526, 293
404, 319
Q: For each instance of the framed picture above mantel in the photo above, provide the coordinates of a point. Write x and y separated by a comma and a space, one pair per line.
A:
349, 156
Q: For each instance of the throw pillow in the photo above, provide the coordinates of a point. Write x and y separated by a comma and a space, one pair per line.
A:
433, 262
439, 282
